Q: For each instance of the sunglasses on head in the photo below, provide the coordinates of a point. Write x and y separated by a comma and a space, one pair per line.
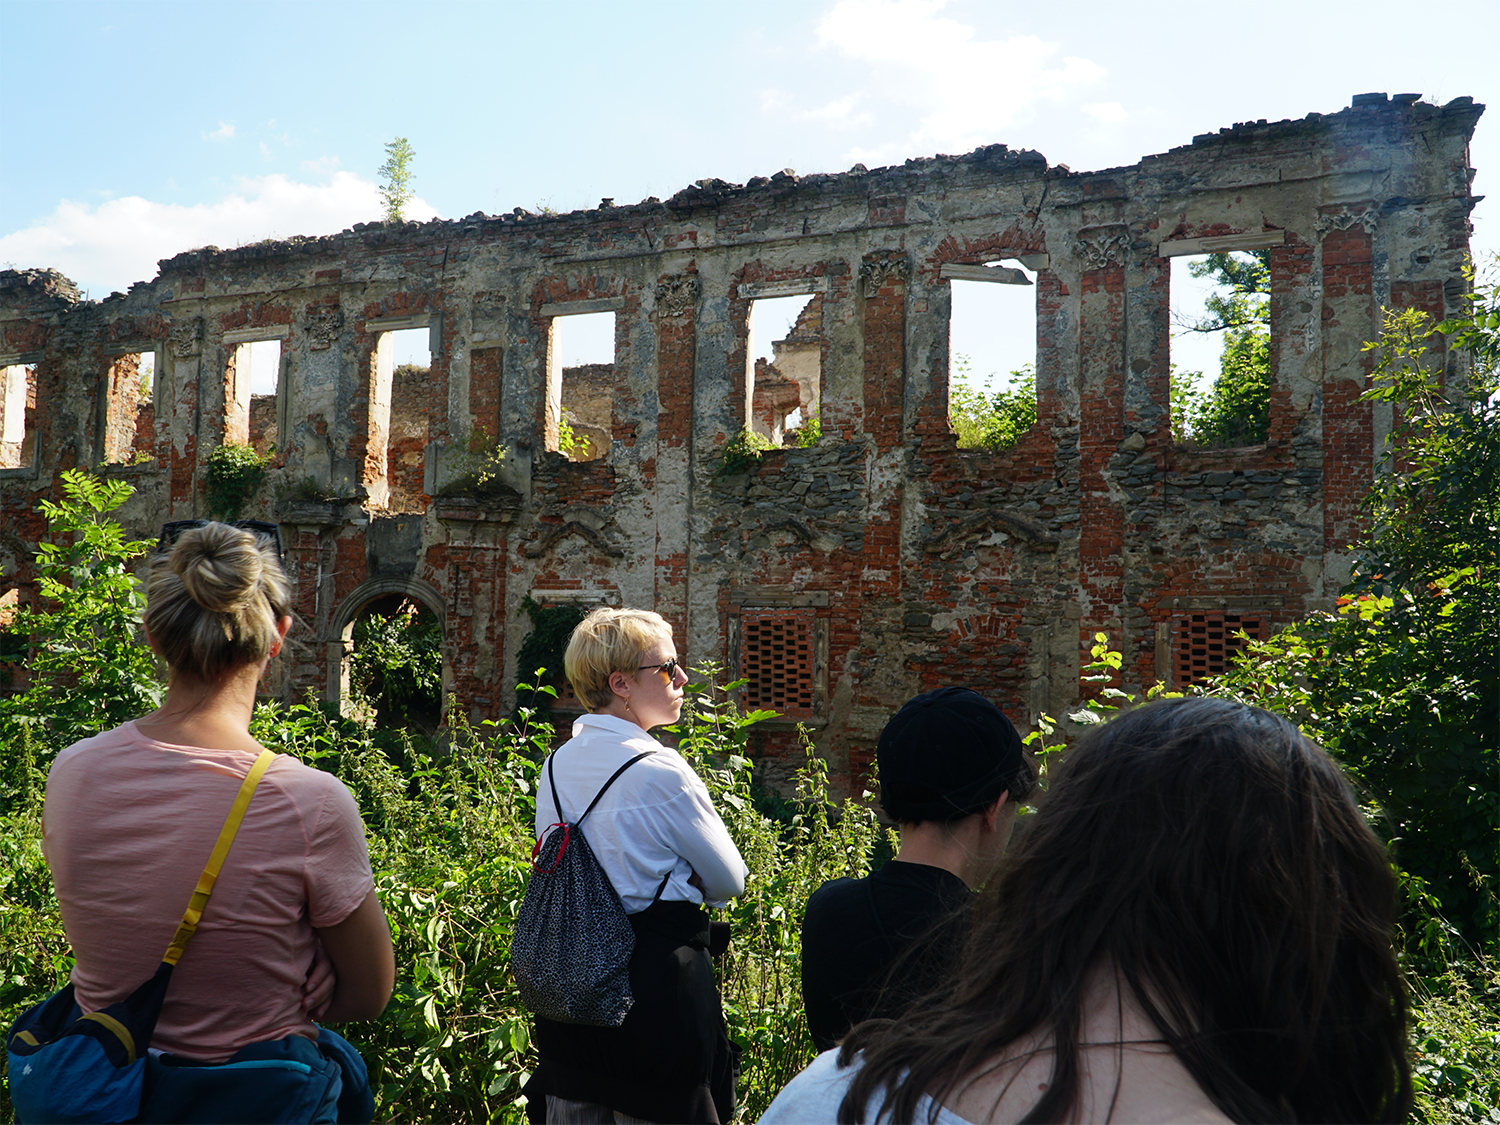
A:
171, 532
667, 668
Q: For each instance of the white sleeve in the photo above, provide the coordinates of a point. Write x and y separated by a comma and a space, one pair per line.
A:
691, 827
812, 1097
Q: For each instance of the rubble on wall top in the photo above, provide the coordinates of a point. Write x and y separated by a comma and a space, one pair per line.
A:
43, 283
712, 192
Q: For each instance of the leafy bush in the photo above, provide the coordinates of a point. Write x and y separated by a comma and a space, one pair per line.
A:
808, 434
397, 667
231, 477
743, 452
1403, 681
477, 465
543, 647
992, 420
88, 671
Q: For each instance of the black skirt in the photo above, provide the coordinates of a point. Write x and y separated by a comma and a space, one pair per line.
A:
671, 1060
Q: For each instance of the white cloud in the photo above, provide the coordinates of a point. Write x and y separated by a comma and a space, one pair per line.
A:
838, 114
1108, 112
224, 132
965, 90
110, 246
265, 150
773, 100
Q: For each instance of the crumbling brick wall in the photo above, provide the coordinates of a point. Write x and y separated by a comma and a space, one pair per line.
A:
845, 576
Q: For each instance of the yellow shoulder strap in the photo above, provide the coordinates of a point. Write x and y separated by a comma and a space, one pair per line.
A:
194, 913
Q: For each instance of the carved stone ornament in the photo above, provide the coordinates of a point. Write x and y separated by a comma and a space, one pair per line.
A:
488, 305
1103, 250
323, 327
677, 296
874, 275
186, 338
1343, 220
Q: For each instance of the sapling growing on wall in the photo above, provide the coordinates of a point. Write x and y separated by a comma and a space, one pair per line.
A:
395, 179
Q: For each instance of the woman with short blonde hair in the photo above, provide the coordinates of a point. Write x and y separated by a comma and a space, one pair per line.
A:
667, 854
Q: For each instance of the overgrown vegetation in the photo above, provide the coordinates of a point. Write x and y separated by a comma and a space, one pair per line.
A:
743, 452
478, 465
396, 669
988, 419
450, 835
1236, 409
1402, 683
542, 648
806, 435
231, 476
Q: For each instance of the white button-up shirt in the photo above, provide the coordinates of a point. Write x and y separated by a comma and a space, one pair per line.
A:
656, 818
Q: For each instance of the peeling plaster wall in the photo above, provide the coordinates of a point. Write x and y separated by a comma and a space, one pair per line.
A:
906, 562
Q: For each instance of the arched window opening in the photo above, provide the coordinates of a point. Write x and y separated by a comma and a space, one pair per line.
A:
395, 667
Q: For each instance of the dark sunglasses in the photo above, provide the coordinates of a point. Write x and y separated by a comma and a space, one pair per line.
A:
171, 532
669, 668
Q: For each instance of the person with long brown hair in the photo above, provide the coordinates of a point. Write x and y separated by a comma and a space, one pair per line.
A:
1195, 927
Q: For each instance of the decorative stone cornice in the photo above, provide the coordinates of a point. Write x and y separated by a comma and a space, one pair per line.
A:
1102, 250
1345, 219
186, 338
677, 296
322, 326
873, 275
990, 520
558, 531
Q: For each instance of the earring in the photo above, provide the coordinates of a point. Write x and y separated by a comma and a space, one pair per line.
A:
627, 704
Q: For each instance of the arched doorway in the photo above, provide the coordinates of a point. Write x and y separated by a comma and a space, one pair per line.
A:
387, 665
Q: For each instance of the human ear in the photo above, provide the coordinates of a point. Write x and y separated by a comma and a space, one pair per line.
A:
992, 814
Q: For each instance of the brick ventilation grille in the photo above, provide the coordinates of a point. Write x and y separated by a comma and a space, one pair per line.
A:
1206, 644
776, 656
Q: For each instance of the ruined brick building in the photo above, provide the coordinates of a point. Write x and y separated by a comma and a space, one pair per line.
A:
841, 577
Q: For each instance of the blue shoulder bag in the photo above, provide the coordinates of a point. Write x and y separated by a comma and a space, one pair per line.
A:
67, 1066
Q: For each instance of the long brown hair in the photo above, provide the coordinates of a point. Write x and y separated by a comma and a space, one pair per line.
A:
1218, 860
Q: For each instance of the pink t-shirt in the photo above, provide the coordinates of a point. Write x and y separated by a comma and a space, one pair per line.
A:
127, 828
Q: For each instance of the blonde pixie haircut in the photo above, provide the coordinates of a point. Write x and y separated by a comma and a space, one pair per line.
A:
213, 600
608, 641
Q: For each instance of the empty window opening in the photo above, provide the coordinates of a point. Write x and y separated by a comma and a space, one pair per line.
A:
785, 343
992, 356
1220, 383
17, 416
776, 658
1207, 644
251, 386
395, 667
130, 409
581, 385
399, 410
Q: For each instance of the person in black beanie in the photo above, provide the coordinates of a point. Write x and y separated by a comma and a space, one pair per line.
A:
952, 773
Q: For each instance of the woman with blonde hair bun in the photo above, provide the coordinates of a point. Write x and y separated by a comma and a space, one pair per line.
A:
667, 854
293, 931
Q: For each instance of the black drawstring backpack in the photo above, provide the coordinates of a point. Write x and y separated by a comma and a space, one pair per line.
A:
571, 949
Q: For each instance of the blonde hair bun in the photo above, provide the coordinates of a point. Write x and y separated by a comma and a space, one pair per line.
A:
214, 602
220, 565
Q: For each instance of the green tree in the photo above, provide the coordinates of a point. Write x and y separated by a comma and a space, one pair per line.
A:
88, 669
1402, 682
396, 176
1235, 410
992, 420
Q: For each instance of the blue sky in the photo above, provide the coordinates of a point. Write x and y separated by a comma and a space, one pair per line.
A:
132, 131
